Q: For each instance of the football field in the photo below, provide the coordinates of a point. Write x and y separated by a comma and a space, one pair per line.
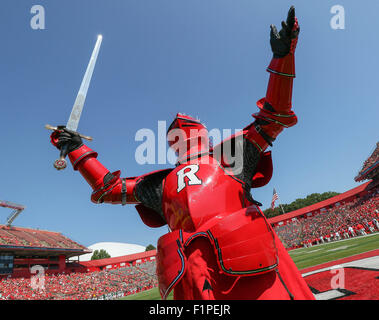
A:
309, 257
304, 258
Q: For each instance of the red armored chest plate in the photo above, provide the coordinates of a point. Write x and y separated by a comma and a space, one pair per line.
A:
195, 192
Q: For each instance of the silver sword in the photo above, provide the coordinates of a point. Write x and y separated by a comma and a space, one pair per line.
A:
73, 121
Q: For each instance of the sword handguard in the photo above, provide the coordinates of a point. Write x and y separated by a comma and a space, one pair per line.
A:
49, 127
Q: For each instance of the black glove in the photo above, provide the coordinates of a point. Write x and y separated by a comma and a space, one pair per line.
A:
69, 140
281, 42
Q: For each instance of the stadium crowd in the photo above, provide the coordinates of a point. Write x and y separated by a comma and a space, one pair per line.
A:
373, 159
34, 238
82, 286
356, 218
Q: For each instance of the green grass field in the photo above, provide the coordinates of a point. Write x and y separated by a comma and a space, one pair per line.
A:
308, 257
303, 258
152, 294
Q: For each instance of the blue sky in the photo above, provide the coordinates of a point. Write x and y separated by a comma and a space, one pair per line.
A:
205, 58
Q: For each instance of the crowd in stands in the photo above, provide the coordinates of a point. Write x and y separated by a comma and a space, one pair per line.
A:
356, 218
16, 236
374, 158
82, 286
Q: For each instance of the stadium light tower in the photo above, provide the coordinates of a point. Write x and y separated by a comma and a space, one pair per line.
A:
17, 208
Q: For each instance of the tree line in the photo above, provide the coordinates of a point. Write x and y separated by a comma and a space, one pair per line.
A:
299, 203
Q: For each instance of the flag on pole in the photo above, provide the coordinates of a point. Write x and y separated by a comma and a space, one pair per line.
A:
274, 198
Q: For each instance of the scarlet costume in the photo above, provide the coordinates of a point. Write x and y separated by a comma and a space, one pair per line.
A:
221, 245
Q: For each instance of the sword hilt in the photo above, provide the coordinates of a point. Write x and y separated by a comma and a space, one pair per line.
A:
61, 163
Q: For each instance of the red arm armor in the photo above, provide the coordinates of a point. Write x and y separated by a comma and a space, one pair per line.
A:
275, 112
275, 108
107, 187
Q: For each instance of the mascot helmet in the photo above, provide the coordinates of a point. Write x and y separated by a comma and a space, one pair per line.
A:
187, 135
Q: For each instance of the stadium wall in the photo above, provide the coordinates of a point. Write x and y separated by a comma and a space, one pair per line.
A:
119, 262
52, 265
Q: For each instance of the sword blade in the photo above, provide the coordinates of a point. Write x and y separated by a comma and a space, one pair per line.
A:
76, 112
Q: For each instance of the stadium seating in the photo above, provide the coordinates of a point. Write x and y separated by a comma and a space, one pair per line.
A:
83, 286
351, 219
370, 165
17, 236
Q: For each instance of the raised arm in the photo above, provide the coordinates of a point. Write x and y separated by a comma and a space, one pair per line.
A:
275, 112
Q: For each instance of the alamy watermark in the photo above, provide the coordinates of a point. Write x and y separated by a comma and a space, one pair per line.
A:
37, 280
160, 147
338, 19
338, 280
37, 22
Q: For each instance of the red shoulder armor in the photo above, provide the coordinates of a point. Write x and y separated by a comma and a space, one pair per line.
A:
263, 173
150, 217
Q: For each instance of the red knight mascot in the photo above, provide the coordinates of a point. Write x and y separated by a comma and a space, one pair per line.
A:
220, 246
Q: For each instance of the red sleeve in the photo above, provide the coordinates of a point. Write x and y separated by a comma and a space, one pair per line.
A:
107, 187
